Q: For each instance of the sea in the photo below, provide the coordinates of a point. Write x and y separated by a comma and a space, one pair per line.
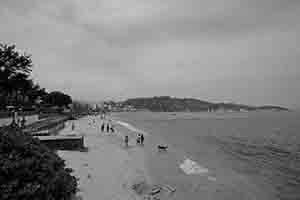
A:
239, 155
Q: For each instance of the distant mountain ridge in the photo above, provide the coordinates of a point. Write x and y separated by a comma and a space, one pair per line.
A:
173, 104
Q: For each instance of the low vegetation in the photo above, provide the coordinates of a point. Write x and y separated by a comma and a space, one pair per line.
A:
29, 170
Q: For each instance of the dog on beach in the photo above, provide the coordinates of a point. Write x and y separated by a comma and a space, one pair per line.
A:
162, 147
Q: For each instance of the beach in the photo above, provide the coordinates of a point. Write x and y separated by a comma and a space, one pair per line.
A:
195, 165
107, 169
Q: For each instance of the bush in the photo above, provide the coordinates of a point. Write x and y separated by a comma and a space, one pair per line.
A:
29, 170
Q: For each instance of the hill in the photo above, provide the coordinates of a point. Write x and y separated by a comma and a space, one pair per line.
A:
172, 104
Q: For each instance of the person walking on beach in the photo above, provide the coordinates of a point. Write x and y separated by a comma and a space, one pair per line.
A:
142, 139
126, 140
19, 122
107, 128
138, 139
112, 128
73, 126
23, 122
102, 127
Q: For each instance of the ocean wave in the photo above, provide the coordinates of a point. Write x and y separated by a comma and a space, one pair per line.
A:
274, 162
131, 127
191, 167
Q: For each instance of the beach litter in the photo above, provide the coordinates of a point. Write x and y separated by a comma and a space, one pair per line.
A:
169, 188
140, 187
155, 190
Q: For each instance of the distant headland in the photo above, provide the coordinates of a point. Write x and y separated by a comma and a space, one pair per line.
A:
173, 104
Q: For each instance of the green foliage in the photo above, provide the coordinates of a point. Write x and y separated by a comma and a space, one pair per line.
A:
16, 87
13, 62
58, 99
80, 107
14, 66
29, 170
15, 69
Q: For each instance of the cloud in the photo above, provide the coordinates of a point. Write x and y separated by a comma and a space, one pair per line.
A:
124, 48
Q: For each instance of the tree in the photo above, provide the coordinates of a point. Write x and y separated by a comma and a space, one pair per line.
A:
15, 68
12, 62
29, 170
16, 87
35, 93
80, 107
58, 99
21, 84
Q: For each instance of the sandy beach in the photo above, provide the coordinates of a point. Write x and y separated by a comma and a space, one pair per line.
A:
108, 169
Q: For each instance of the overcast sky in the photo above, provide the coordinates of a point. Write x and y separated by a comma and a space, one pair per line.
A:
234, 50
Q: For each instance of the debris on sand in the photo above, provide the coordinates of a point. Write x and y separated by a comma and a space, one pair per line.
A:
169, 188
155, 190
140, 187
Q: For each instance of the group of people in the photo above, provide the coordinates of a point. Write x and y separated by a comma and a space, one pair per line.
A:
21, 122
139, 140
107, 127
18, 121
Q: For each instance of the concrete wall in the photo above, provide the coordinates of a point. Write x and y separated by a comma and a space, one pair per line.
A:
54, 130
63, 143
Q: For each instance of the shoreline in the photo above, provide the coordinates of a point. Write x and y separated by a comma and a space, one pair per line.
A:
110, 171
176, 172
107, 170
205, 176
